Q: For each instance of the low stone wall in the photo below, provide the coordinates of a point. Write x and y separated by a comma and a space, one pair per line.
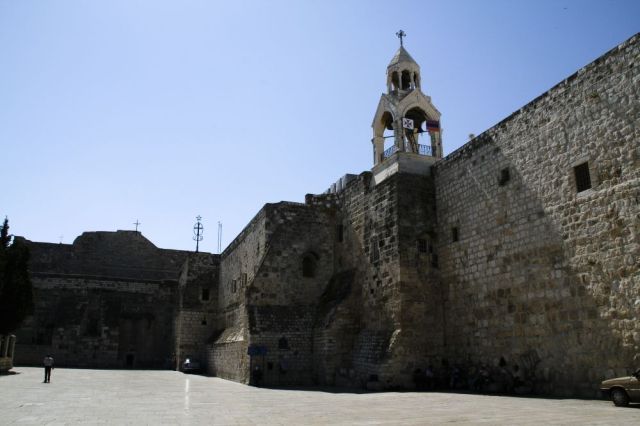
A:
7, 348
229, 361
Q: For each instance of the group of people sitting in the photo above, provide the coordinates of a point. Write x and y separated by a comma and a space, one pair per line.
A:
473, 377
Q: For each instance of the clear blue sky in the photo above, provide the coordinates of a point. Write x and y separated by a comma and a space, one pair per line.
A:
112, 111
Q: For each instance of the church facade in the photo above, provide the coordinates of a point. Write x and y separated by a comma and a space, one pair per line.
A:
520, 248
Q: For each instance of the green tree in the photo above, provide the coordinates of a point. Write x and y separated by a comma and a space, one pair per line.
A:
16, 295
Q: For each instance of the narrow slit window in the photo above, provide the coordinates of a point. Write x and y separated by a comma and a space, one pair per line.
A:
504, 177
422, 245
455, 234
340, 233
583, 178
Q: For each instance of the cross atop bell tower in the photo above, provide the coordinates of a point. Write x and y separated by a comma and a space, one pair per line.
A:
406, 122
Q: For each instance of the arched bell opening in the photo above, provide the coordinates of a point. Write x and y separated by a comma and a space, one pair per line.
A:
395, 81
387, 130
384, 137
406, 80
417, 139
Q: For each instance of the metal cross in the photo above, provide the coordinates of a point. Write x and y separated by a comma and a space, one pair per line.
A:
198, 229
401, 34
136, 223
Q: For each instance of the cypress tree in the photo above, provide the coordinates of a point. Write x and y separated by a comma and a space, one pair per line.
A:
16, 295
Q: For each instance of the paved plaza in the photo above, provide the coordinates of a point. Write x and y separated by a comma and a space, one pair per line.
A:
168, 397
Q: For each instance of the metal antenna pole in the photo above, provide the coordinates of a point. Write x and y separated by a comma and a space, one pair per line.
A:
198, 230
219, 237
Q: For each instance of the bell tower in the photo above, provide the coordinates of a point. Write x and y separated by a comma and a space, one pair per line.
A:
406, 123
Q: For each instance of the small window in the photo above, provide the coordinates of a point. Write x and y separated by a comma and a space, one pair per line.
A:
434, 260
204, 321
204, 295
244, 279
504, 177
234, 287
422, 245
340, 233
308, 266
583, 178
454, 234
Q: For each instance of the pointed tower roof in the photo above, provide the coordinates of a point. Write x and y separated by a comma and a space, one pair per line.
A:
401, 56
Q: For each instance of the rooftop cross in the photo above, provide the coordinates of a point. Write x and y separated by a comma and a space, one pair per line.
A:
136, 223
198, 229
400, 34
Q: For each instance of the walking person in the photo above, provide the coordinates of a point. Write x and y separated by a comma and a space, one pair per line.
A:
48, 366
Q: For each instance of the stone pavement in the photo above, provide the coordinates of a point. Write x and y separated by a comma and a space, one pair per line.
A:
168, 397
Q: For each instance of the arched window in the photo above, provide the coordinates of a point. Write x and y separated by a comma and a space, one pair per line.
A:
309, 265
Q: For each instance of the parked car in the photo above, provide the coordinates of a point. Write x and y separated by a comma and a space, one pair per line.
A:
190, 365
623, 390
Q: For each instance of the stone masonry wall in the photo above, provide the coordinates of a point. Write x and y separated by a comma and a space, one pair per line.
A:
282, 299
227, 354
197, 313
540, 274
93, 322
420, 308
380, 314
369, 217
111, 299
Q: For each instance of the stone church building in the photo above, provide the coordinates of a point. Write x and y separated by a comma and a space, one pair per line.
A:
522, 245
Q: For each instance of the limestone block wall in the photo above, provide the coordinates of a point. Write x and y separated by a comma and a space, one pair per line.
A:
335, 328
227, 353
382, 311
122, 254
420, 302
295, 232
286, 333
262, 271
198, 310
532, 269
282, 297
98, 322
229, 360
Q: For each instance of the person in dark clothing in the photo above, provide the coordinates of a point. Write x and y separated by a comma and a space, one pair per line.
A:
48, 366
257, 376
